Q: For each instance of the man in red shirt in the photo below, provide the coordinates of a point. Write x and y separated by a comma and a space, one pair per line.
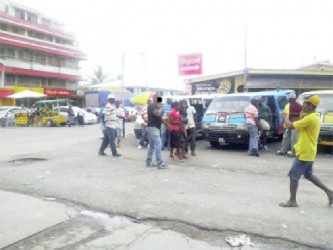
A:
175, 133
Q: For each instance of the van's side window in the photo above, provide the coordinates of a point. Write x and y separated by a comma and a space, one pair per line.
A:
282, 101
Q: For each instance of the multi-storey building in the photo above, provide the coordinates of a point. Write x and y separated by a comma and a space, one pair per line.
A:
36, 52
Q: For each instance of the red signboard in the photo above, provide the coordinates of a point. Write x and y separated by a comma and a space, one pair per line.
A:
57, 92
190, 64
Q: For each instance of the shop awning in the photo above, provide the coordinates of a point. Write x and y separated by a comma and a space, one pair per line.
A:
5, 93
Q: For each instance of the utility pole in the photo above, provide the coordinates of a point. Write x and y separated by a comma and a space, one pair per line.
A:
123, 70
245, 57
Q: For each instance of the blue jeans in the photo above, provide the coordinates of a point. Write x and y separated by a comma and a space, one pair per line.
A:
254, 138
110, 138
165, 136
155, 144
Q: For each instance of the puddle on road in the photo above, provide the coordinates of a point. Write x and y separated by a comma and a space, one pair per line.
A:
110, 223
26, 161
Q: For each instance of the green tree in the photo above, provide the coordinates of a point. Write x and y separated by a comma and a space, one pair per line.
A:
99, 76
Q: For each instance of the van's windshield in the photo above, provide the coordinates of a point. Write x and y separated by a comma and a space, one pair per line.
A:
326, 102
229, 104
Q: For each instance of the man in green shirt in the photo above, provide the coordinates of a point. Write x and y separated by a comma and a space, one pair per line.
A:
265, 121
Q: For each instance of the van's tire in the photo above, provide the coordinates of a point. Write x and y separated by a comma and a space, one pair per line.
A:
214, 144
48, 123
76, 121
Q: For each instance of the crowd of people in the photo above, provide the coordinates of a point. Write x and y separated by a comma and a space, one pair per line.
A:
259, 123
172, 125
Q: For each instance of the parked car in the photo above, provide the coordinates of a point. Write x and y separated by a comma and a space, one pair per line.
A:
7, 115
88, 118
224, 120
325, 108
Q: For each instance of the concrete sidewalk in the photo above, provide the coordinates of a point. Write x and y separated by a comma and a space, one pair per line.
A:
32, 223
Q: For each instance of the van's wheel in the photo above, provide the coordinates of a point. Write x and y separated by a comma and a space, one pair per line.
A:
48, 123
214, 144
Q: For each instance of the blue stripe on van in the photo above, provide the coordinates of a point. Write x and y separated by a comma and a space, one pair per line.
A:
236, 119
209, 118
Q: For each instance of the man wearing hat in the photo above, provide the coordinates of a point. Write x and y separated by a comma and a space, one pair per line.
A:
305, 149
293, 108
110, 119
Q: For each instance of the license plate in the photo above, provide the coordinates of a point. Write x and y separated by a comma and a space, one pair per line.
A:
221, 140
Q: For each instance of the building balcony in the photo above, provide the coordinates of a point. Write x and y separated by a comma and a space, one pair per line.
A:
33, 68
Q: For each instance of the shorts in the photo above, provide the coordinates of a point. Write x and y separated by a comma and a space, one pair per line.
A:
300, 168
118, 133
175, 137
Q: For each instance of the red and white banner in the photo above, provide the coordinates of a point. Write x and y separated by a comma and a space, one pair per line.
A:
190, 64
57, 92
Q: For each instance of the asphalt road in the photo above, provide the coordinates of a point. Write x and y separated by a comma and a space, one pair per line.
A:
219, 189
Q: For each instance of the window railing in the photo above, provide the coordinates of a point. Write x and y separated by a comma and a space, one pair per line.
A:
38, 61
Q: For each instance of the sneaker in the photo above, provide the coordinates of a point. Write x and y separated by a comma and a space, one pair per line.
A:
154, 164
102, 153
265, 148
162, 166
139, 147
117, 155
280, 153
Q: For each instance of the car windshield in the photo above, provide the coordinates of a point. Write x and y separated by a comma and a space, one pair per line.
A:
229, 104
326, 102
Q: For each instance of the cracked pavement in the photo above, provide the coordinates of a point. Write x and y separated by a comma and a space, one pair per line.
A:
220, 190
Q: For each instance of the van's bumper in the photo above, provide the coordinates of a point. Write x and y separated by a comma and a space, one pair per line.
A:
234, 137
326, 135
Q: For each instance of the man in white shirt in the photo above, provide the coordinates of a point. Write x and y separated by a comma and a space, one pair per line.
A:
191, 131
110, 118
120, 112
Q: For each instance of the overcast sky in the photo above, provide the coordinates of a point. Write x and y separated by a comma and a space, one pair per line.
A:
152, 33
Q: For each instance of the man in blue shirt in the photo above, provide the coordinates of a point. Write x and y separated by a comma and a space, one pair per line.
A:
164, 130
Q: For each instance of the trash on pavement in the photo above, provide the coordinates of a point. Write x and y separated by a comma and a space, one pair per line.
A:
50, 198
47, 172
40, 177
239, 240
214, 165
284, 226
166, 180
302, 212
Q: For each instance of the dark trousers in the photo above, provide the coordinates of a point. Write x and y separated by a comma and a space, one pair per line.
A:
144, 136
110, 138
80, 118
191, 138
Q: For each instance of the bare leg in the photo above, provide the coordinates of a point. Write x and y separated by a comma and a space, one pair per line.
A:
293, 190
315, 180
171, 153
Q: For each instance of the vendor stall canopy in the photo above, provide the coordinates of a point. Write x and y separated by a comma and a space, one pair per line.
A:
54, 101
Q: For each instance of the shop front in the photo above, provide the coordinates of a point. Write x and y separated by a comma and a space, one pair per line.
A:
7, 91
75, 95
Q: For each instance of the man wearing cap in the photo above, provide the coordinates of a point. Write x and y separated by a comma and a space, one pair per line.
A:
293, 108
252, 123
154, 134
110, 119
306, 149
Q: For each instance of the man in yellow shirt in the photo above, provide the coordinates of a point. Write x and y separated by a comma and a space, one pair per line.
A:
305, 149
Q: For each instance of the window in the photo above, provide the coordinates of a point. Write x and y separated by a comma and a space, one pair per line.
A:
43, 59
19, 13
11, 52
20, 54
32, 17
46, 21
7, 8
282, 101
10, 79
3, 27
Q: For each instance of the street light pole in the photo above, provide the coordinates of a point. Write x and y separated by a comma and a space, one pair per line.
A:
144, 68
